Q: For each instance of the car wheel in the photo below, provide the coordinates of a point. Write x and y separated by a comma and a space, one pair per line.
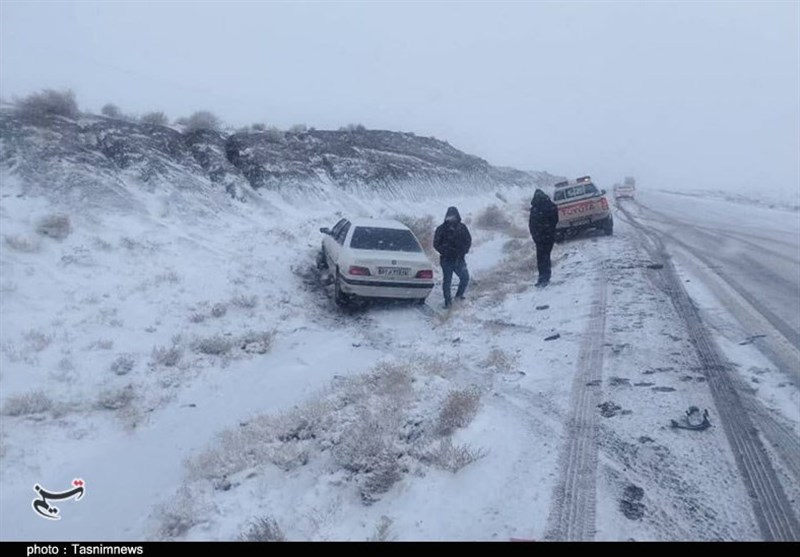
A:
420, 301
322, 260
339, 297
559, 237
609, 228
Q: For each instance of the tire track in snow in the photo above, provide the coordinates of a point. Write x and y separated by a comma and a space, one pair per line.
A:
771, 506
572, 515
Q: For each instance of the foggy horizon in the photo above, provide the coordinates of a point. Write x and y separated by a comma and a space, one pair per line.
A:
682, 96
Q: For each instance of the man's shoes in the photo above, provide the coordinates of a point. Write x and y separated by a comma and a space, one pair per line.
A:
542, 283
446, 305
460, 298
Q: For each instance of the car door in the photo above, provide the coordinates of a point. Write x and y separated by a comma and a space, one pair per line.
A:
334, 242
328, 241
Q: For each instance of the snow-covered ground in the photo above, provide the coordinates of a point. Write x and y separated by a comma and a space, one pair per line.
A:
195, 373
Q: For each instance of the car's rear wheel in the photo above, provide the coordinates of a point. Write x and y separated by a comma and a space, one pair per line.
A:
339, 297
559, 237
609, 227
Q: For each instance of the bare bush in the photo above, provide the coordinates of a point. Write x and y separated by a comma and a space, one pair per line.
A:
169, 276
27, 404
202, 120
123, 364
23, 244
48, 103
298, 128
101, 344
167, 356
422, 227
183, 512
219, 310
500, 361
154, 119
380, 480
111, 110
459, 409
450, 457
515, 245
259, 127
383, 531
254, 342
197, 317
37, 340
264, 529
216, 345
54, 226
114, 399
274, 134
365, 449
353, 128
493, 218
244, 301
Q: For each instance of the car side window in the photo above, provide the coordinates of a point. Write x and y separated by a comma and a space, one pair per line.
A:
591, 189
337, 227
342, 233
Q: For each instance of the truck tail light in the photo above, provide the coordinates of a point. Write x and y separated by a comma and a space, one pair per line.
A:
426, 274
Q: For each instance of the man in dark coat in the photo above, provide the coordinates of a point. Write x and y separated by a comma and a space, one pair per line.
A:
542, 224
452, 240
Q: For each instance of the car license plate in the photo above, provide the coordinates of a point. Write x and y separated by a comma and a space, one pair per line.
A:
394, 271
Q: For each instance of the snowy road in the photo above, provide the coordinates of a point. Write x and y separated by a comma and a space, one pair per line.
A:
755, 251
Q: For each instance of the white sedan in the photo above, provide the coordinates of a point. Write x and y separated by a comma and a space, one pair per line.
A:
373, 258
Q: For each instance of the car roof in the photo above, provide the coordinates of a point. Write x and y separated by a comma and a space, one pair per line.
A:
379, 223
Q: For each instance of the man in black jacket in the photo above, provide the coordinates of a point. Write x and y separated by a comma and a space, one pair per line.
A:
452, 240
542, 224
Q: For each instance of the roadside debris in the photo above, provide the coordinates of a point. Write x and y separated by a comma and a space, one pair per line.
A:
609, 409
553, 337
693, 420
750, 339
656, 266
631, 503
542, 307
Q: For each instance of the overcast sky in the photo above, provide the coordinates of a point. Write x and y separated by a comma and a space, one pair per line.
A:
679, 94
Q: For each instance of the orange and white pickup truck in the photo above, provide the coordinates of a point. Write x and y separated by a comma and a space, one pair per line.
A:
581, 206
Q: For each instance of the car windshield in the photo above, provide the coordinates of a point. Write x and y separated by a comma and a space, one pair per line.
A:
570, 192
384, 239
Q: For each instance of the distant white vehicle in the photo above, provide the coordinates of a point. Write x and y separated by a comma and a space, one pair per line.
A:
626, 189
372, 258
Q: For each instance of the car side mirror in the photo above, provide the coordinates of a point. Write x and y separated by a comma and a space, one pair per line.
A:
325, 230
602, 192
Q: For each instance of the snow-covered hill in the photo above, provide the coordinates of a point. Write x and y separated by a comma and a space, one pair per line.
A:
94, 158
